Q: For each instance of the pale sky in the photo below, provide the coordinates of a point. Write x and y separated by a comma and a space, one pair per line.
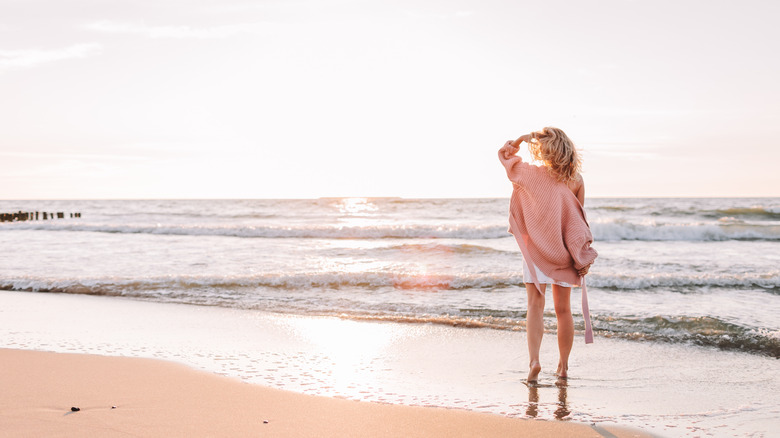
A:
411, 98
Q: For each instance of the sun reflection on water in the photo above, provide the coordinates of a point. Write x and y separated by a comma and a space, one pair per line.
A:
363, 214
352, 348
356, 206
421, 277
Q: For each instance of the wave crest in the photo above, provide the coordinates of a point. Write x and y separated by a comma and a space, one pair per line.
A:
373, 280
697, 330
621, 230
300, 232
614, 230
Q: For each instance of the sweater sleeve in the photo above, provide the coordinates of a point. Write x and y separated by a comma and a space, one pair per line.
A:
580, 250
514, 165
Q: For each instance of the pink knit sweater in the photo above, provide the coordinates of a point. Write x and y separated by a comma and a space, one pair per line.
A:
549, 218
549, 225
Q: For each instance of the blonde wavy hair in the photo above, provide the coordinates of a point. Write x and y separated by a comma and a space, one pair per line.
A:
556, 150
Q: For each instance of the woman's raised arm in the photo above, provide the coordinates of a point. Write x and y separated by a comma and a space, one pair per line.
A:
523, 138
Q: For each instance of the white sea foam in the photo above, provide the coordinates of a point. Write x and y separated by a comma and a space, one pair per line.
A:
608, 230
373, 280
614, 230
368, 280
654, 280
318, 231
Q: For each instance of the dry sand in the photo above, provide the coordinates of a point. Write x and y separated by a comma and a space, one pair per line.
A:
162, 399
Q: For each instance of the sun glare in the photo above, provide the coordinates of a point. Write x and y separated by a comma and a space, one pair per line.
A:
356, 206
349, 345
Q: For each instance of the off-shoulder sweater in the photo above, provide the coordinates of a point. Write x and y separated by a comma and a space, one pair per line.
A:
548, 223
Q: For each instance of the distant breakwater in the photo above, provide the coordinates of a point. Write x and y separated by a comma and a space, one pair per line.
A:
20, 216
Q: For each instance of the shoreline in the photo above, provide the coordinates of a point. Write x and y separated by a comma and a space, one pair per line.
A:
160, 398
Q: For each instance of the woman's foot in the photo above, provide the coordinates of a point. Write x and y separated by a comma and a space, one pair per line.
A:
563, 371
533, 373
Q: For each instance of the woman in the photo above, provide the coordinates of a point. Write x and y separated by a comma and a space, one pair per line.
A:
548, 221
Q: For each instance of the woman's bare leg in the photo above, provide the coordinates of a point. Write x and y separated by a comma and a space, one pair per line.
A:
535, 328
562, 301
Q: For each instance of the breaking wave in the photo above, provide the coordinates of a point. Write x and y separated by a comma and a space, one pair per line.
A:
724, 230
614, 230
374, 280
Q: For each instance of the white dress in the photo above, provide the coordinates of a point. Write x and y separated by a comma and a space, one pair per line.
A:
541, 276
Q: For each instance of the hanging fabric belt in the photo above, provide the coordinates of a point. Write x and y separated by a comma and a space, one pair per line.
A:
586, 312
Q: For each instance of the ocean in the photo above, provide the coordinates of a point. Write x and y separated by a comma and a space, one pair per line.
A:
693, 274
696, 271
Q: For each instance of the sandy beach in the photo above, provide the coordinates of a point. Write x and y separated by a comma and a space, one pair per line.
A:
225, 370
119, 396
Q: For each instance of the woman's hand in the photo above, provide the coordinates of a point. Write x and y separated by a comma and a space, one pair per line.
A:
509, 149
584, 271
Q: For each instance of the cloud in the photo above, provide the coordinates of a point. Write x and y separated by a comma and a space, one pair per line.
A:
55, 155
32, 57
224, 31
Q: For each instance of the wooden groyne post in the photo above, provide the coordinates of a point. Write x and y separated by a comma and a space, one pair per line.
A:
20, 216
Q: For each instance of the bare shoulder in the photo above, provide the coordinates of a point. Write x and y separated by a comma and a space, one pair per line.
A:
576, 184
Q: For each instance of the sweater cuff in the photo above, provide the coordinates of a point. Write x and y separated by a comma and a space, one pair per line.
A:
586, 257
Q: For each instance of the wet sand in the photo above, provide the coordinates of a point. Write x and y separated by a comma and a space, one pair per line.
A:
118, 396
667, 390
